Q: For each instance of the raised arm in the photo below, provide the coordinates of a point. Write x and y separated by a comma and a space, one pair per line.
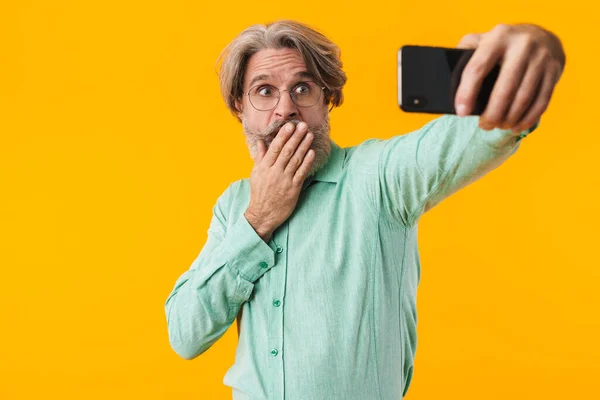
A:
418, 170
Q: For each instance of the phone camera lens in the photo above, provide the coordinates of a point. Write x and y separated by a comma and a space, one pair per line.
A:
418, 101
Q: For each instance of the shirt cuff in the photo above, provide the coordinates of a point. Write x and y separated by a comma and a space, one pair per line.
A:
528, 131
246, 251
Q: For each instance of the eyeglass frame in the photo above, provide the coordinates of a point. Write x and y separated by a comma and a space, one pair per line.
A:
285, 90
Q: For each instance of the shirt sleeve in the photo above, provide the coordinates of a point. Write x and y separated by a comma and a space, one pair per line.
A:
207, 297
418, 170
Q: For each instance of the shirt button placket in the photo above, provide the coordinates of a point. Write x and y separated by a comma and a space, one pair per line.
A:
277, 290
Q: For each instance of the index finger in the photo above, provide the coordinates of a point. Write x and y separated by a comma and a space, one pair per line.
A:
481, 63
277, 144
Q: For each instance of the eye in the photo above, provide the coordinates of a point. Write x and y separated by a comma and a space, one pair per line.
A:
265, 91
302, 89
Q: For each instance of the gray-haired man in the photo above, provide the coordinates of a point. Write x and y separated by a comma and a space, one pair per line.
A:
317, 251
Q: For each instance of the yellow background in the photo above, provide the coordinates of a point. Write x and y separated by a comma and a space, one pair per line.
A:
115, 144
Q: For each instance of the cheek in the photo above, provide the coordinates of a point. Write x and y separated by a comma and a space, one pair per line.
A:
314, 116
257, 120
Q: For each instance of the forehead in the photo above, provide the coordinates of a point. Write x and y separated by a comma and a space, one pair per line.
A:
274, 64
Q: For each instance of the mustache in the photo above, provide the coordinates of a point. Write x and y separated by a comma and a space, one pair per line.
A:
270, 132
273, 128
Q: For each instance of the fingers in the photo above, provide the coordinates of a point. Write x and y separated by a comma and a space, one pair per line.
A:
526, 94
291, 145
506, 86
486, 56
278, 143
304, 168
469, 41
540, 103
298, 156
532, 63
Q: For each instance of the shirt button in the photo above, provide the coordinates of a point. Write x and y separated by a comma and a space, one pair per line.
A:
276, 303
263, 264
274, 352
279, 249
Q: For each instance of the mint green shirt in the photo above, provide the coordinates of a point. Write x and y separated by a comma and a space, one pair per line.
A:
329, 304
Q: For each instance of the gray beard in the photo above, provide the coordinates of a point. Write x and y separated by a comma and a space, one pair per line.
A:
320, 144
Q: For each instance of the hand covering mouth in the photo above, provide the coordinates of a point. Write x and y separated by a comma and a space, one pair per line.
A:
273, 130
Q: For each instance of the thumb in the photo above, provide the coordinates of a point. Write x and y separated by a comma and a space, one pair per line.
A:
470, 41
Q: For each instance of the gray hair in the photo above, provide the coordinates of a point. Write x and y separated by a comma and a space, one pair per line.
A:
321, 57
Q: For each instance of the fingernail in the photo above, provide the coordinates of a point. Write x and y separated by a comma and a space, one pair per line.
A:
461, 110
302, 126
289, 127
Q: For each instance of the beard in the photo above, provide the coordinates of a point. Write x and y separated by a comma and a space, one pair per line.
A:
320, 143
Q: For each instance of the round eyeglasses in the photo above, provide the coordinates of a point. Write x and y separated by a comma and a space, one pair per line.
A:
266, 97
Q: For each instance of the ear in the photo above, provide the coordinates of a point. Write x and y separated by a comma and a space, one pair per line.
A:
239, 106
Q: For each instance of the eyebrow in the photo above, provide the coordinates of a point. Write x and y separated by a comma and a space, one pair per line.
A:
264, 77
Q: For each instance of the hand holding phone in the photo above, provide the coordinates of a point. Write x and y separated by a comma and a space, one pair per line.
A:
532, 59
428, 78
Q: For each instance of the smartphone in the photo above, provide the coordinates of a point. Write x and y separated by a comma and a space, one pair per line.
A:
428, 78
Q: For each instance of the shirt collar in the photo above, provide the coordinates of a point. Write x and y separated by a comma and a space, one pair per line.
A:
332, 171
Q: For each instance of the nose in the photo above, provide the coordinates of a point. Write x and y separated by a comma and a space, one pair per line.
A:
286, 108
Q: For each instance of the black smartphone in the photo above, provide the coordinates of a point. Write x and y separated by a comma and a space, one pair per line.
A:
428, 78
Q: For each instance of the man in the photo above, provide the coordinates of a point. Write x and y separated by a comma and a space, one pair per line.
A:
317, 251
